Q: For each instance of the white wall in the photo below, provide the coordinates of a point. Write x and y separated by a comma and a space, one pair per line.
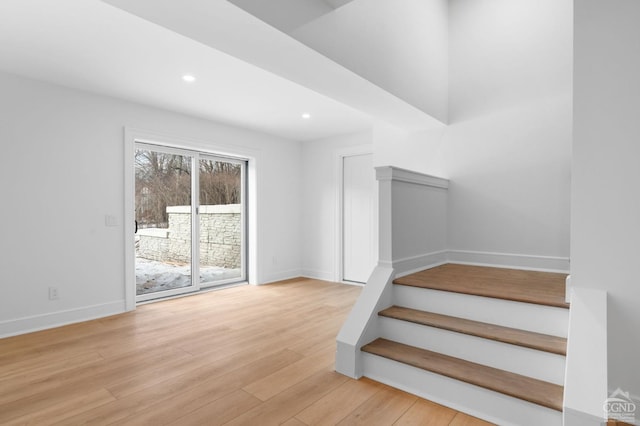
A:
320, 202
605, 207
509, 143
63, 172
399, 46
422, 151
507, 149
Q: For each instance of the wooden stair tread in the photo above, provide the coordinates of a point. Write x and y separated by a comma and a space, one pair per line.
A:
542, 288
514, 336
522, 387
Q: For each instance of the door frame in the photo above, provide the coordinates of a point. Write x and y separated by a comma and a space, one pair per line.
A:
338, 163
243, 219
195, 273
133, 136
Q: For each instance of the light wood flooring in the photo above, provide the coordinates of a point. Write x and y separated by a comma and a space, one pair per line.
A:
544, 288
523, 387
527, 339
241, 356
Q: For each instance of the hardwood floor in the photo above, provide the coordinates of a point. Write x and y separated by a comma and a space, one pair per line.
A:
522, 387
544, 288
528, 339
241, 356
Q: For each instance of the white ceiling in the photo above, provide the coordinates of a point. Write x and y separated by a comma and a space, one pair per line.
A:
225, 27
93, 46
287, 15
337, 3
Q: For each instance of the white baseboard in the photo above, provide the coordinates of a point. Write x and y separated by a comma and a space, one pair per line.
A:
318, 275
281, 276
33, 323
509, 260
409, 265
412, 264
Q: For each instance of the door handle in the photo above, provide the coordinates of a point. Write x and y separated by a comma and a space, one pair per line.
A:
136, 231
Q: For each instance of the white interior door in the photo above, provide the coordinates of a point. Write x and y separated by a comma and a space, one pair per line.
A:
359, 218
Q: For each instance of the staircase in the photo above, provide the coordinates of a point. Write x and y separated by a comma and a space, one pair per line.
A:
487, 341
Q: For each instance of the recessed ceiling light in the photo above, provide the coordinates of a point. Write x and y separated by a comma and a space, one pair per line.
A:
188, 78
306, 116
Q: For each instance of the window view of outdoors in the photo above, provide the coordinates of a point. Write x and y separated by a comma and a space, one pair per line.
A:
220, 220
163, 214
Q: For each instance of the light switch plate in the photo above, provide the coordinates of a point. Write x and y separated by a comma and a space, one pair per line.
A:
110, 220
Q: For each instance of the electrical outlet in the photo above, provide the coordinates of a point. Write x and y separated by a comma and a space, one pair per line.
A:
53, 293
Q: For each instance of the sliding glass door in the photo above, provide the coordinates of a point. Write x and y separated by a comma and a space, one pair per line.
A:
190, 226
221, 220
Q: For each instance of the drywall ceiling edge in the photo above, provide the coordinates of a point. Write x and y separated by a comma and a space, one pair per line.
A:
226, 27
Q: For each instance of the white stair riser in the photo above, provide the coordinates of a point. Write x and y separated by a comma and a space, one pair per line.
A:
516, 359
473, 400
524, 316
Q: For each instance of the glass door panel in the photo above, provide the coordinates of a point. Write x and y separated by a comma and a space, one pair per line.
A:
163, 214
221, 220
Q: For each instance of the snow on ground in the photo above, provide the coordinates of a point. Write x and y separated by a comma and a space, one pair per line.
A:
153, 276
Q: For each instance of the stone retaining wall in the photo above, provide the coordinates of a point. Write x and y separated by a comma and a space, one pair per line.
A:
220, 237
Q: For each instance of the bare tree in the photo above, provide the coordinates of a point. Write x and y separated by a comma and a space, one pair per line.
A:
219, 182
165, 180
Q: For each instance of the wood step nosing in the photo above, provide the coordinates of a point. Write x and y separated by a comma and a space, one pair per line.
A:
563, 305
374, 349
534, 287
491, 406
490, 336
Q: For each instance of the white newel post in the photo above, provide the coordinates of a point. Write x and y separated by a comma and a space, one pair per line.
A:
385, 217
412, 235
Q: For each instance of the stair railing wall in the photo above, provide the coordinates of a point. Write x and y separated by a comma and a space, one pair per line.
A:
412, 236
586, 383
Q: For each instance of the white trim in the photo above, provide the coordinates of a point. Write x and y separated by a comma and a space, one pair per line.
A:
476, 401
388, 177
192, 155
586, 380
338, 166
540, 365
510, 260
251, 221
549, 320
404, 175
195, 223
168, 142
353, 283
361, 326
237, 152
128, 214
281, 276
410, 265
318, 275
195, 293
33, 323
